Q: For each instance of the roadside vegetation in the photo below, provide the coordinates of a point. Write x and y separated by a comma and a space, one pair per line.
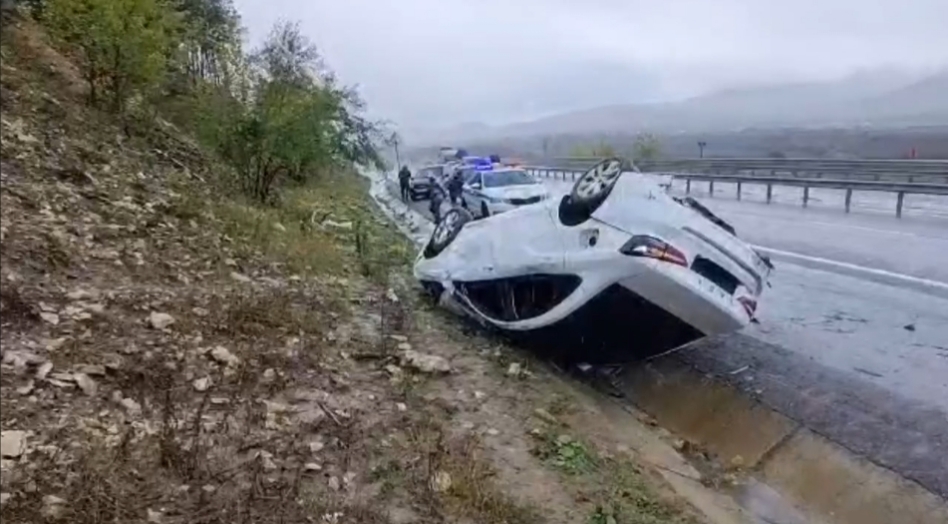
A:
206, 320
645, 147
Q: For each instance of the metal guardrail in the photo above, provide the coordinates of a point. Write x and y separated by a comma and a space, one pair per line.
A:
900, 188
930, 171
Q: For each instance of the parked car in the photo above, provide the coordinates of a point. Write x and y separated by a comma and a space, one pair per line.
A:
500, 189
419, 185
614, 271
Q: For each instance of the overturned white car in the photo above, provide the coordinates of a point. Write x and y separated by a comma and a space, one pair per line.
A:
615, 271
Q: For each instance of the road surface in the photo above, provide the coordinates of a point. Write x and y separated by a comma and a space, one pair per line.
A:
860, 362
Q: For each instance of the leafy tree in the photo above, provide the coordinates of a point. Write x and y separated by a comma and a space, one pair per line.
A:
646, 148
277, 113
211, 35
294, 121
125, 44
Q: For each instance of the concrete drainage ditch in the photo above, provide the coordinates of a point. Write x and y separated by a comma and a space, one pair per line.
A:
791, 474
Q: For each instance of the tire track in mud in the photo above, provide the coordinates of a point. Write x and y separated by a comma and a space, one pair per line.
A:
788, 405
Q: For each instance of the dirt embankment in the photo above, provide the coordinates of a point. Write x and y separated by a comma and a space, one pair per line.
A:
174, 356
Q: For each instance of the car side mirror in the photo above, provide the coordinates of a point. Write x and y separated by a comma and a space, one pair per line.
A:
475, 185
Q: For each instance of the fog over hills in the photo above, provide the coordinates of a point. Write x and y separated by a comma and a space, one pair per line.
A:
873, 98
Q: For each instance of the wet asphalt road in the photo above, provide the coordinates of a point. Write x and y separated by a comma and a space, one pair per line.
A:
881, 394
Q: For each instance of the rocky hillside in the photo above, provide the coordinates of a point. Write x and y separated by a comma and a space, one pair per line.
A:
174, 354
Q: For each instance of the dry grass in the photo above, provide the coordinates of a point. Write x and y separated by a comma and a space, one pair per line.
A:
320, 228
456, 477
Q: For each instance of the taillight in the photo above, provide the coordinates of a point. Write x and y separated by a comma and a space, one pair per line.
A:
750, 305
646, 246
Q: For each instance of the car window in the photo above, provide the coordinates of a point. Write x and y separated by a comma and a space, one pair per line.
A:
469, 176
431, 171
507, 178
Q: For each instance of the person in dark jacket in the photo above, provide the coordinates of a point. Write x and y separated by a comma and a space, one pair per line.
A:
455, 186
438, 194
404, 176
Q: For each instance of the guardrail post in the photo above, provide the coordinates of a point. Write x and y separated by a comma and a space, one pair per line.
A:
711, 188
687, 186
770, 192
738, 190
898, 204
849, 199
806, 195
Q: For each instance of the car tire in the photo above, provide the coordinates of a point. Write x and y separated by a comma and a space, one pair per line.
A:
446, 231
589, 191
592, 188
485, 212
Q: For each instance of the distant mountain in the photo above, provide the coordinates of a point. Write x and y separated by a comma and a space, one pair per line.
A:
883, 97
926, 99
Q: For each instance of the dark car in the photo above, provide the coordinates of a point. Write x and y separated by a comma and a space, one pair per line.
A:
419, 185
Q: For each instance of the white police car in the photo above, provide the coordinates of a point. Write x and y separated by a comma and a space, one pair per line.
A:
493, 189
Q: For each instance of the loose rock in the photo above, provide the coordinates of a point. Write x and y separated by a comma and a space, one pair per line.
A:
53, 507
239, 277
12, 443
160, 320
425, 363
202, 384
85, 383
440, 482
223, 356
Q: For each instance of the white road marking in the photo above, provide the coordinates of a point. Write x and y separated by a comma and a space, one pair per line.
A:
810, 221
889, 275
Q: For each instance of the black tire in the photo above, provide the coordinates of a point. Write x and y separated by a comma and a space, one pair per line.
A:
446, 231
484, 211
589, 191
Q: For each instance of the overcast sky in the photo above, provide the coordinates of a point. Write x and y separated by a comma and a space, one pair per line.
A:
442, 62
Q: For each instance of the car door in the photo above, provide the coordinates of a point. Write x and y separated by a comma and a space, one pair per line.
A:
473, 185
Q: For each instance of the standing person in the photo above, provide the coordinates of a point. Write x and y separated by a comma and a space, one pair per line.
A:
438, 193
455, 186
404, 175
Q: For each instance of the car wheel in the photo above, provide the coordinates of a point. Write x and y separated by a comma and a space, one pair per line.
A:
594, 186
590, 191
446, 231
484, 211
